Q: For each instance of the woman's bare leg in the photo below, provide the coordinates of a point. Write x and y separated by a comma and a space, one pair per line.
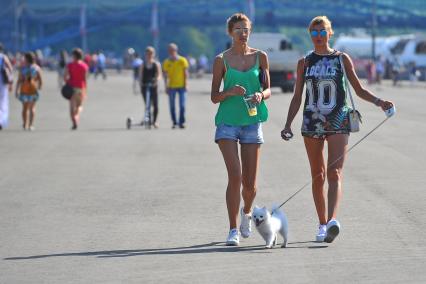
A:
314, 149
337, 146
32, 113
25, 111
75, 108
250, 165
229, 149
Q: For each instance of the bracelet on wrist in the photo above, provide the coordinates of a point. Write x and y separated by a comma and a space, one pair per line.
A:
377, 101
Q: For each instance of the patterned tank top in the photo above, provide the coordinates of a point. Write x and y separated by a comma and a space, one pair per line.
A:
325, 109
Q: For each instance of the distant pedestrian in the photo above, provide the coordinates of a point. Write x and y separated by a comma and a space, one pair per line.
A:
88, 60
93, 63
62, 63
136, 66
396, 69
150, 73
76, 76
27, 89
380, 70
175, 77
203, 65
100, 65
413, 73
192, 65
5, 88
371, 71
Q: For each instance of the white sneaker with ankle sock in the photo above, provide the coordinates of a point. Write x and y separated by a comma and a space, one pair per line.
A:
333, 230
322, 229
245, 226
233, 238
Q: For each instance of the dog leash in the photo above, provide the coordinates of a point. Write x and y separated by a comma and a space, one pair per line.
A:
338, 159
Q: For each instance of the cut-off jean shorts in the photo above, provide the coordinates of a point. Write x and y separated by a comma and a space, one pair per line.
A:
24, 98
247, 134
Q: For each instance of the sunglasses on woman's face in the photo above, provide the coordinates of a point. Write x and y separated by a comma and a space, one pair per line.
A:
242, 30
322, 33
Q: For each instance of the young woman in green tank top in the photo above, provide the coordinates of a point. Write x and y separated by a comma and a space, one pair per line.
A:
241, 111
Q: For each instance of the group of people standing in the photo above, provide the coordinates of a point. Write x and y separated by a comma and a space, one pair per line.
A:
325, 119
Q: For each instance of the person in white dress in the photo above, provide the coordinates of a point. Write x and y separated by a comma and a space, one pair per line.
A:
5, 88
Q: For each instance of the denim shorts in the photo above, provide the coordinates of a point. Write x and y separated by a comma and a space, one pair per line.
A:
247, 134
28, 98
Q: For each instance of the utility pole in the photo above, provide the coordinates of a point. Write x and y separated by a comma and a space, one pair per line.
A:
373, 30
16, 34
155, 29
83, 31
251, 10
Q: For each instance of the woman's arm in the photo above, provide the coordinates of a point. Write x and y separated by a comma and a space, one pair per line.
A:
185, 77
18, 84
10, 68
159, 71
218, 72
66, 74
141, 73
359, 89
39, 78
297, 97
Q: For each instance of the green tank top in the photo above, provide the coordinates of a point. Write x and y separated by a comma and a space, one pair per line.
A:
233, 110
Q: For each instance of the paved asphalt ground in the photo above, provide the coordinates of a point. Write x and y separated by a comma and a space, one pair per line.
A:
108, 205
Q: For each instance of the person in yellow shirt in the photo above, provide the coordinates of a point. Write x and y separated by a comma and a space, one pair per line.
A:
175, 69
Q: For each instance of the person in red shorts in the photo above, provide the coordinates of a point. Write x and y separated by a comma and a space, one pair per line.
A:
75, 76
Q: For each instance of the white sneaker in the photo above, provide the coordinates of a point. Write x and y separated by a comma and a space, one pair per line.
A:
322, 229
233, 238
333, 230
245, 226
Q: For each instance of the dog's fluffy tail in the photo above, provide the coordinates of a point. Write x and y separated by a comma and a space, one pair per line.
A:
275, 209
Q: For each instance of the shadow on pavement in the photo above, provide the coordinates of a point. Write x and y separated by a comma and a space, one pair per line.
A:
313, 245
213, 247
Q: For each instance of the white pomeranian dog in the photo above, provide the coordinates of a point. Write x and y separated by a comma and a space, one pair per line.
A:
270, 224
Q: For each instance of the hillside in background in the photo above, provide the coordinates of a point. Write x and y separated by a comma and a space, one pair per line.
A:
196, 26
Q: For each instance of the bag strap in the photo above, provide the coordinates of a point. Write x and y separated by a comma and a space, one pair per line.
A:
346, 81
224, 62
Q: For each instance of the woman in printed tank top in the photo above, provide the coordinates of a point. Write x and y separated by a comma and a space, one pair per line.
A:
325, 119
239, 68
27, 89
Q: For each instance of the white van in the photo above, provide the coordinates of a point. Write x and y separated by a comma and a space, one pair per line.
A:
411, 50
282, 58
404, 49
361, 47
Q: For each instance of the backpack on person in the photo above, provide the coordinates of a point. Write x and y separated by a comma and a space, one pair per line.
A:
29, 85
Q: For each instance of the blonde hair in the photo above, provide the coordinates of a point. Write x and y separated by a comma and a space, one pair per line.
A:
150, 49
318, 20
173, 46
237, 17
